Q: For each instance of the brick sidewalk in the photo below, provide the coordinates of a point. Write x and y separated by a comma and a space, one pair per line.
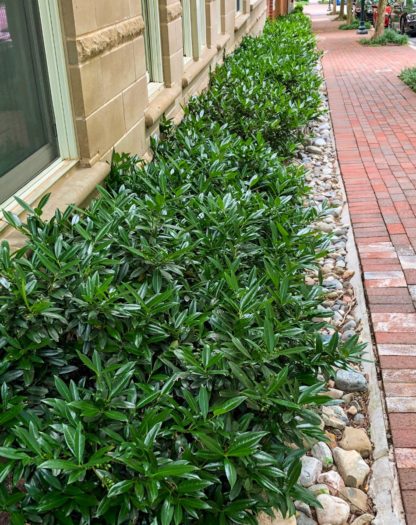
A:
376, 149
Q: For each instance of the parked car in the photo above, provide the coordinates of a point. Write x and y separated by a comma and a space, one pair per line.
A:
403, 17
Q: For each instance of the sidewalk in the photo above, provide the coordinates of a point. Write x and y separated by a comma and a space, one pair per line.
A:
374, 119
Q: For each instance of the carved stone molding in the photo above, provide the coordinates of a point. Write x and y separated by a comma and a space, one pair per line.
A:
97, 43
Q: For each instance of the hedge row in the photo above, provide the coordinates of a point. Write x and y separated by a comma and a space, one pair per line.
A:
160, 351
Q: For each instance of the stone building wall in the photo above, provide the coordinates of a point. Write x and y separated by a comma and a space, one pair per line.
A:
107, 68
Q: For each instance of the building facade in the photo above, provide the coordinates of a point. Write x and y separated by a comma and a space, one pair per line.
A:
83, 77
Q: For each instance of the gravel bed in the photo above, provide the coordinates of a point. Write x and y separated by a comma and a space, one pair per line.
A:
337, 471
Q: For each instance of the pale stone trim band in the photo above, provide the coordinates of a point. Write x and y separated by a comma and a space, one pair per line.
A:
160, 104
97, 43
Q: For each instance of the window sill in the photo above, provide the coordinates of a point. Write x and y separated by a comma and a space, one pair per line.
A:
154, 88
255, 4
240, 21
159, 104
68, 184
38, 186
193, 70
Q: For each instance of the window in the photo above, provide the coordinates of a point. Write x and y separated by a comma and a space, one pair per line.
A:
186, 28
28, 141
202, 26
193, 27
36, 126
219, 21
238, 6
152, 41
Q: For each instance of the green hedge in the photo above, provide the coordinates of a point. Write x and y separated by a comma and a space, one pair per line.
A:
267, 86
388, 37
408, 76
355, 24
160, 351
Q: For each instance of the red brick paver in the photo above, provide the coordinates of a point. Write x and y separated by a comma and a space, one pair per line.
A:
374, 119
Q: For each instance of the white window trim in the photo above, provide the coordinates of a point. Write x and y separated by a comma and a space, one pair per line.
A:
58, 78
37, 187
194, 28
202, 23
153, 42
187, 30
218, 17
198, 27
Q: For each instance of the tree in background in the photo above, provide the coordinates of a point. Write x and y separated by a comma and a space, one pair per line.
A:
349, 11
341, 10
379, 25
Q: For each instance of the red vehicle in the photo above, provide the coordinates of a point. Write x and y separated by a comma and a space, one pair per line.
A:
387, 15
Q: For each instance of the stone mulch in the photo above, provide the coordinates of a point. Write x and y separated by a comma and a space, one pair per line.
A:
373, 114
337, 471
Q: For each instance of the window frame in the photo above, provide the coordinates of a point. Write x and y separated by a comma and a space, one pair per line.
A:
153, 43
57, 78
219, 16
194, 28
187, 30
202, 23
198, 27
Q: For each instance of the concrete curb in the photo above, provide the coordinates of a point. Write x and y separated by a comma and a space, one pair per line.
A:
384, 486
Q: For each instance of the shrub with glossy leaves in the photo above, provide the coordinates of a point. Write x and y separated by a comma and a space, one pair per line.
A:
268, 85
408, 75
160, 350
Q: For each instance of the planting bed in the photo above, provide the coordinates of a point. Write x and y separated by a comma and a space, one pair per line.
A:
163, 359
